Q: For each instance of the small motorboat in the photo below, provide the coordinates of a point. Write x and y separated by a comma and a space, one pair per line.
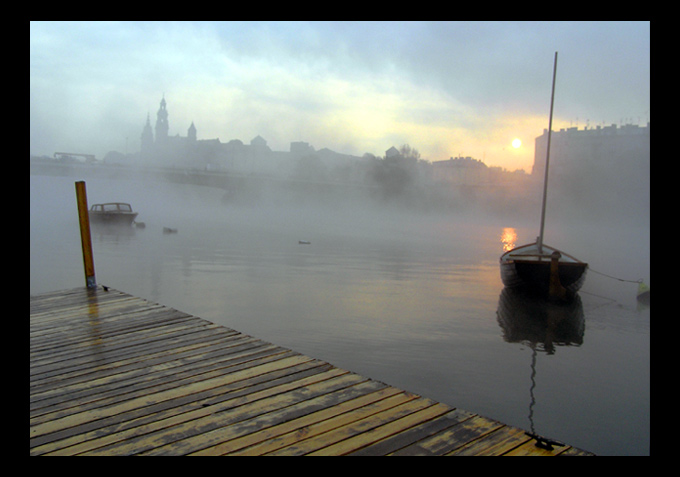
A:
112, 213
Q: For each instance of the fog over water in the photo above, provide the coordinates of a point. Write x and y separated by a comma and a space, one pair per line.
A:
406, 296
316, 237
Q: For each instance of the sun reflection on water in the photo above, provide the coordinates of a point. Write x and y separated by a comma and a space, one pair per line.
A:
508, 238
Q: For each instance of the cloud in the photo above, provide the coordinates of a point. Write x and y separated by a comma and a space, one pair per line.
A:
360, 86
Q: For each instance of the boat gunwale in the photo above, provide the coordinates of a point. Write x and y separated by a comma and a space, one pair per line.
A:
507, 257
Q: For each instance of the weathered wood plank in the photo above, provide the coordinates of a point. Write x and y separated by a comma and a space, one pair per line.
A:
102, 361
96, 414
222, 413
112, 374
452, 438
497, 442
80, 330
390, 428
204, 398
297, 423
200, 434
123, 390
404, 439
530, 448
285, 443
160, 368
103, 348
167, 414
355, 428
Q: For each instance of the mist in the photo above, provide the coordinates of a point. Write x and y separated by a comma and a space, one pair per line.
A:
445, 88
314, 199
611, 186
389, 286
366, 229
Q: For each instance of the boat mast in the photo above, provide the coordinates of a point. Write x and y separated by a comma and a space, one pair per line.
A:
547, 159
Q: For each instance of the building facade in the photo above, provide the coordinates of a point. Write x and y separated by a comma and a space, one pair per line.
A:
609, 146
602, 172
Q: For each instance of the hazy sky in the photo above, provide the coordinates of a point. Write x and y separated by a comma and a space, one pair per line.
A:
445, 88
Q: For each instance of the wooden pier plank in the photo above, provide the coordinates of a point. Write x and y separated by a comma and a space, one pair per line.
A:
422, 431
163, 416
113, 374
135, 376
125, 390
393, 426
199, 435
497, 442
296, 423
452, 438
154, 397
354, 423
325, 423
182, 438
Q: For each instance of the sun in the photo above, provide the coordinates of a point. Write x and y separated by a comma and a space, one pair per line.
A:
516, 143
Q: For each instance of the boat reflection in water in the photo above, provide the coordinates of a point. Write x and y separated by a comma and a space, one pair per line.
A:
543, 325
531, 319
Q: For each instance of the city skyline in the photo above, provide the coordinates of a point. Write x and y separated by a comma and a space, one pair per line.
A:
447, 89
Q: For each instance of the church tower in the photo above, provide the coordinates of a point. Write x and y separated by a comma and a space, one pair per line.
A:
147, 137
191, 133
162, 123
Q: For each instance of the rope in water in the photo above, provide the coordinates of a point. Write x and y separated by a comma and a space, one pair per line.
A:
639, 280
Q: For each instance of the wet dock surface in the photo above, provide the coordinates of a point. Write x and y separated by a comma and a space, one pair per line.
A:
113, 374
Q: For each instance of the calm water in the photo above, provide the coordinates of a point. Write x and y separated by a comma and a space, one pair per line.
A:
414, 300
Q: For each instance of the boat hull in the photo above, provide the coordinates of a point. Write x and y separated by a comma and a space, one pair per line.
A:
524, 267
106, 218
112, 213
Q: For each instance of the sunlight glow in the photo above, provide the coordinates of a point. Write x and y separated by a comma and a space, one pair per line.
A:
508, 238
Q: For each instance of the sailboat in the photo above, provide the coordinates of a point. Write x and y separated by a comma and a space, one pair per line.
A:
537, 266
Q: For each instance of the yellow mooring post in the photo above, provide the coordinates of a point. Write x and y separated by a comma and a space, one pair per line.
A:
86, 240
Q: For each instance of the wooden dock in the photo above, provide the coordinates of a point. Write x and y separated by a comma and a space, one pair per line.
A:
113, 374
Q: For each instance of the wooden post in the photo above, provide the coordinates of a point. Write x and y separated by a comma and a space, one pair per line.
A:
85, 238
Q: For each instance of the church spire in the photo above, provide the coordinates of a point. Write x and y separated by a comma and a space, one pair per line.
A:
162, 122
147, 136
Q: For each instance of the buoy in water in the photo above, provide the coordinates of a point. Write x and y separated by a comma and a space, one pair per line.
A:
643, 293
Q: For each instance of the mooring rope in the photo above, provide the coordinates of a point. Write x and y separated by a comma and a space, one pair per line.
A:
639, 280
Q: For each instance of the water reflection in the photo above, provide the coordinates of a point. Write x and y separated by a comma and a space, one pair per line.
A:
529, 319
351, 296
111, 232
508, 238
542, 325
